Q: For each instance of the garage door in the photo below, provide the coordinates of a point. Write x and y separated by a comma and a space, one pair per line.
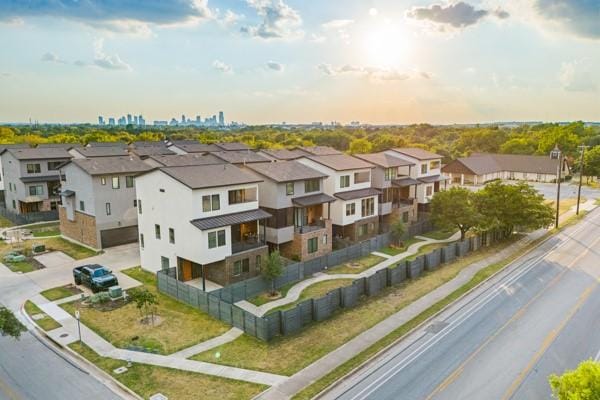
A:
115, 237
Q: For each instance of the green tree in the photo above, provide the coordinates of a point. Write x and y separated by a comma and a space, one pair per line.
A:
397, 229
9, 324
582, 383
360, 146
454, 208
272, 269
592, 162
146, 303
518, 146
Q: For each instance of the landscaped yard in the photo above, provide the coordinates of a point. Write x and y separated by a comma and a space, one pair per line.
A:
566, 204
5, 223
393, 250
355, 266
287, 355
21, 266
71, 249
426, 249
46, 323
439, 234
266, 297
315, 291
178, 325
147, 380
61, 292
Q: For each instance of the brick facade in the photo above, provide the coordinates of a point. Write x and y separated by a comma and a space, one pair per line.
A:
297, 249
351, 231
222, 272
398, 213
82, 229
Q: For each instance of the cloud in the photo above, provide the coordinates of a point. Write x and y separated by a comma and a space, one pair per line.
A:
51, 57
454, 15
275, 66
110, 13
337, 23
105, 61
222, 67
231, 18
577, 76
374, 73
279, 21
580, 17
316, 38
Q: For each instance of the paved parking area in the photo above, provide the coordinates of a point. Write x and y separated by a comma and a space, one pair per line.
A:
54, 259
568, 190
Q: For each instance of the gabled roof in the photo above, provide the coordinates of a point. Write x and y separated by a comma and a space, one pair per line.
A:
122, 145
286, 171
13, 146
111, 165
357, 194
232, 146
145, 151
318, 150
66, 146
417, 153
240, 157
145, 143
283, 154
483, 163
38, 153
180, 160
341, 162
196, 147
209, 176
384, 160
102, 151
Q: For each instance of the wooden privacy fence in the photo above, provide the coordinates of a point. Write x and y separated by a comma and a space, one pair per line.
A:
290, 321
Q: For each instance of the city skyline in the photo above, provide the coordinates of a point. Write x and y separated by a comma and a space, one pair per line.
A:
270, 61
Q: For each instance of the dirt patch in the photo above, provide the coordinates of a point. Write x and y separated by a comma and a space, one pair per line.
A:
151, 321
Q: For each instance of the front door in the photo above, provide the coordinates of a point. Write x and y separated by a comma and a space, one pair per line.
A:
186, 270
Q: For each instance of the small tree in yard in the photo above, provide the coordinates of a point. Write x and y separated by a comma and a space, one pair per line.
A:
582, 383
272, 269
9, 324
454, 209
397, 230
146, 302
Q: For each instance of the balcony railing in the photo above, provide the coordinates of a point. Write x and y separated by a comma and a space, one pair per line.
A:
406, 202
244, 245
315, 226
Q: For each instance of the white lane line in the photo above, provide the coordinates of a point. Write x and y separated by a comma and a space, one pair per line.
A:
390, 373
597, 356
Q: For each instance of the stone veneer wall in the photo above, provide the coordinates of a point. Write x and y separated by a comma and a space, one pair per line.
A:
351, 231
82, 229
298, 248
221, 272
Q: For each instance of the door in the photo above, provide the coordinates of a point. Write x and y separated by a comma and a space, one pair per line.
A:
118, 236
186, 270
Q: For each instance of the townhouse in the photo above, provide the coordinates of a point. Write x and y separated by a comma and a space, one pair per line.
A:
426, 170
293, 194
281, 154
182, 160
204, 220
98, 151
240, 157
348, 179
99, 200
2, 148
193, 146
32, 178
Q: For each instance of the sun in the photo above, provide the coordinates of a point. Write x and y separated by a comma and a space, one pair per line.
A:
386, 46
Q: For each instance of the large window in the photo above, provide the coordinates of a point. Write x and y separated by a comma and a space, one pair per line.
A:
423, 168
34, 168
241, 266
344, 181
362, 177
390, 173
363, 229
313, 245
242, 196
129, 181
434, 164
312, 185
350, 209
157, 231
211, 203
54, 165
368, 206
289, 188
116, 183
216, 239
164, 263
36, 190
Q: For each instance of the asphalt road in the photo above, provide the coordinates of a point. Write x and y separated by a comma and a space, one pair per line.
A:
539, 316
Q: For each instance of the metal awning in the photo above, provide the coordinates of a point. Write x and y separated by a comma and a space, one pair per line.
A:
42, 178
433, 178
313, 199
357, 194
32, 199
404, 182
230, 219
67, 193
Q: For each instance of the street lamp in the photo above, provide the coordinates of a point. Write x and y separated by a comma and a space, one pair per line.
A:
582, 147
556, 154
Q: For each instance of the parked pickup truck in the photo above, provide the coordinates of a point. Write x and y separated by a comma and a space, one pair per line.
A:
94, 276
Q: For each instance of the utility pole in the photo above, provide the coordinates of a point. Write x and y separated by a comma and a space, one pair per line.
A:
582, 147
556, 154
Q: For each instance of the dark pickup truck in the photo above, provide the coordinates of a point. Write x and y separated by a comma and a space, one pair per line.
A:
94, 276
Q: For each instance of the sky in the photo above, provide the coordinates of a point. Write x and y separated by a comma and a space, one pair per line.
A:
299, 61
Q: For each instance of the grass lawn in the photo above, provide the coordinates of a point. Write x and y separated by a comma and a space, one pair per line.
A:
426, 249
315, 291
46, 233
71, 249
5, 223
20, 266
355, 266
60, 292
287, 355
46, 323
439, 234
264, 298
147, 380
566, 204
395, 250
179, 325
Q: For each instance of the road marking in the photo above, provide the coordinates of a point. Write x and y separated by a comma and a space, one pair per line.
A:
457, 372
597, 356
548, 340
6, 389
528, 266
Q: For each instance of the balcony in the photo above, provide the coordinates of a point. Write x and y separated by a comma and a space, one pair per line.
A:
248, 244
385, 208
312, 227
406, 202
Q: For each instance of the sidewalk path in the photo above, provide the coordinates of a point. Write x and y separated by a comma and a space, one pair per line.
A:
295, 291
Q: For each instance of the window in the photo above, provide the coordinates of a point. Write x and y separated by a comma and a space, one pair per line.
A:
107, 208
216, 239
139, 205
142, 240
157, 231
36, 190
428, 190
390, 173
434, 164
313, 245
129, 181
363, 230
171, 235
405, 216
164, 263
242, 196
344, 181
312, 185
325, 239
237, 268
211, 203
134, 203
103, 180
246, 265
34, 168
116, 182
54, 165
423, 168
14, 204
289, 188
362, 177
81, 205
350, 209
368, 206
258, 265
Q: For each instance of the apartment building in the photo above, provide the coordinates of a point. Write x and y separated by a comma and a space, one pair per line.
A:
204, 220
99, 200
2, 148
32, 178
354, 212
293, 194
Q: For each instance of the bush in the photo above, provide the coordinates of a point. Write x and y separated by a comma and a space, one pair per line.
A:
100, 298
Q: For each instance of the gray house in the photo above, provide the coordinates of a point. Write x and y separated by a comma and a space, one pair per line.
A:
32, 178
99, 202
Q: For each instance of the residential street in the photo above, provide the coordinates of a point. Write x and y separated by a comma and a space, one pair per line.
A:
504, 339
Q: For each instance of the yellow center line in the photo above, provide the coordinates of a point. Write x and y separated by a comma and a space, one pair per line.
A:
458, 371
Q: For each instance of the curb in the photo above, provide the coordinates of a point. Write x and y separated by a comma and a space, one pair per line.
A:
103, 377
